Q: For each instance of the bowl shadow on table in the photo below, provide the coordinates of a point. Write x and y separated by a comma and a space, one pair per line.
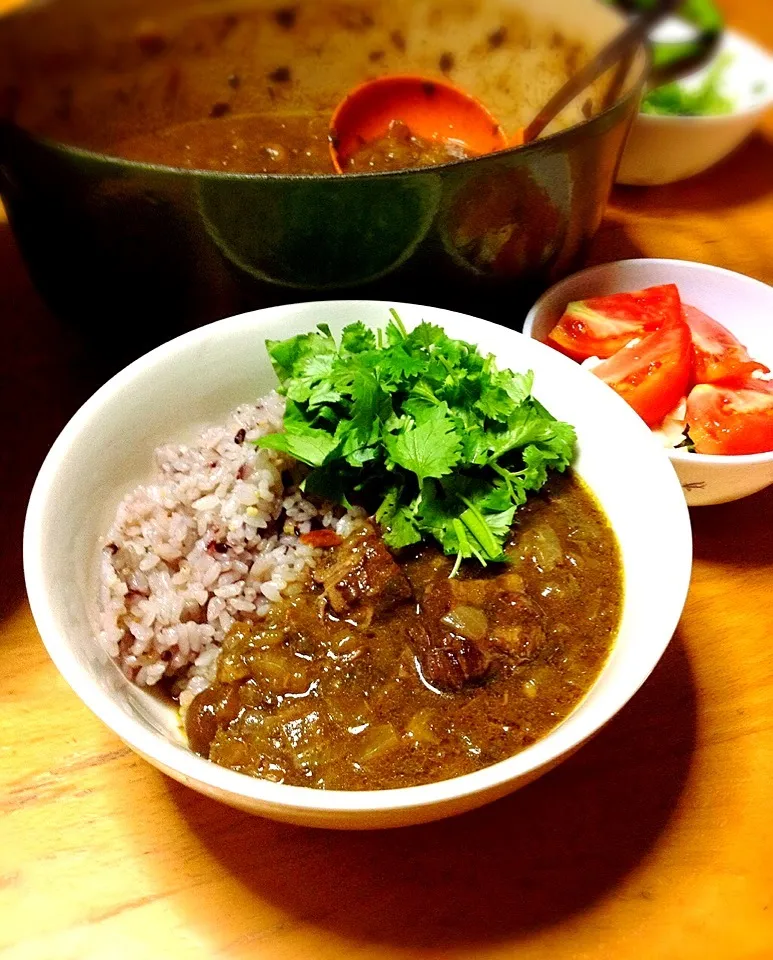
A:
522, 864
611, 242
744, 176
737, 533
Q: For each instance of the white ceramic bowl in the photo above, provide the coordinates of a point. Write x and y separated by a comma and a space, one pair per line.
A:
664, 149
106, 449
743, 305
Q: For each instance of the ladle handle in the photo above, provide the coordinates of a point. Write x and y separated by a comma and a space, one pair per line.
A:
636, 31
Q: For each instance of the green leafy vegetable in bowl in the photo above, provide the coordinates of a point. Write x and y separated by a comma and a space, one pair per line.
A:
704, 100
681, 55
421, 429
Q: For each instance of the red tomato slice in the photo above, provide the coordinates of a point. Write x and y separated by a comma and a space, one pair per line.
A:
731, 419
653, 374
718, 354
601, 326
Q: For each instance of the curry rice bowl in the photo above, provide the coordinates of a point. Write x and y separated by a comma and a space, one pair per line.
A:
106, 450
212, 538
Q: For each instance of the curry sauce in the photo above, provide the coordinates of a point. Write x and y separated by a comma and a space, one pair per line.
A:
385, 673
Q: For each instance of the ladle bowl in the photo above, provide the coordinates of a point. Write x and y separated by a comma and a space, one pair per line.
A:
431, 109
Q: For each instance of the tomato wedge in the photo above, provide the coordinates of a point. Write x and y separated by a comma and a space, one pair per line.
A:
731, 419
600, 326
652, 374
718, 354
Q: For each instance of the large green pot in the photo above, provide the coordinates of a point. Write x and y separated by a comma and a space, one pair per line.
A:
153, 250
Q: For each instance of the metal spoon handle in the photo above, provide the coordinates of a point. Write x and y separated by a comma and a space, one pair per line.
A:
623, 43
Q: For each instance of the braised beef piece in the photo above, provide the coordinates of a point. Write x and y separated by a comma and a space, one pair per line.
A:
448, 661
362, 573
214, 707
470, 627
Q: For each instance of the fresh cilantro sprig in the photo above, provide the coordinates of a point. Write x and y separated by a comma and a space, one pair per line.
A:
421, 429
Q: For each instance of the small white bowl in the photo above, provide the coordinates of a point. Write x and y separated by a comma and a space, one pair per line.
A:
107, 448
664, 149
743, 305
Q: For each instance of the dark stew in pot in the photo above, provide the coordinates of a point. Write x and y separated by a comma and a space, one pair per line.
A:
386, 673
400, 149
251, 86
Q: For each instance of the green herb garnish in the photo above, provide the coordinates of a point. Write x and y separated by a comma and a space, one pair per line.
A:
419, 428
705, 100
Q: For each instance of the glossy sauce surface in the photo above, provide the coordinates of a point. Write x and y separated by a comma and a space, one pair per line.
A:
401, 149
364, 698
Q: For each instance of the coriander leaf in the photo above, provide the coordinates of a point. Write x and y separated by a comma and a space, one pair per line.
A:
285, 353
495, 403
430, 448
535, 472
467, 547
526, 425
487, 494
463, 394
398, 364
359, 456
477, 526
388, 505
311, 447
518, 386
357, 338
303, 356
501, 524
425, 335
422, 390
417, 408
435, 515
321, 395
395, 331
344, 372
398, 520
365, 399
402, 530
370, 406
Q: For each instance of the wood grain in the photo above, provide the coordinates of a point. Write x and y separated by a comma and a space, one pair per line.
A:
656, 840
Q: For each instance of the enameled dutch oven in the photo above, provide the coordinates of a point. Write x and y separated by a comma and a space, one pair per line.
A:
144, 251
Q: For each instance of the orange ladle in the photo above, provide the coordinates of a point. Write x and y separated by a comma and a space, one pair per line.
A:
431, 109
436, 110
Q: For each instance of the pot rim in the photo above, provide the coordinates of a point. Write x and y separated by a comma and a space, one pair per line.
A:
643, 54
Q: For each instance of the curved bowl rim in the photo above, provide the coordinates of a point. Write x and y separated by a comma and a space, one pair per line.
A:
195, 770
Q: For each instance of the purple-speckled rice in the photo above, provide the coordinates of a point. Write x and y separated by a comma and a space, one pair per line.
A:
199, 546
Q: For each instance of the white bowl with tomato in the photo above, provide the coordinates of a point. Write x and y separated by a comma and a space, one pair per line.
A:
689, 346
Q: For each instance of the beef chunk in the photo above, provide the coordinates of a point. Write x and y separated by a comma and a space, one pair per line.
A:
362, 573
517, 629
447, 661
472, 627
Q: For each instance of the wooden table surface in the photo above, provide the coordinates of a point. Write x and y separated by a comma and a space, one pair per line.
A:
655, 841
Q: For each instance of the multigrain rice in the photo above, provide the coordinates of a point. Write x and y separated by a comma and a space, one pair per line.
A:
212, 538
